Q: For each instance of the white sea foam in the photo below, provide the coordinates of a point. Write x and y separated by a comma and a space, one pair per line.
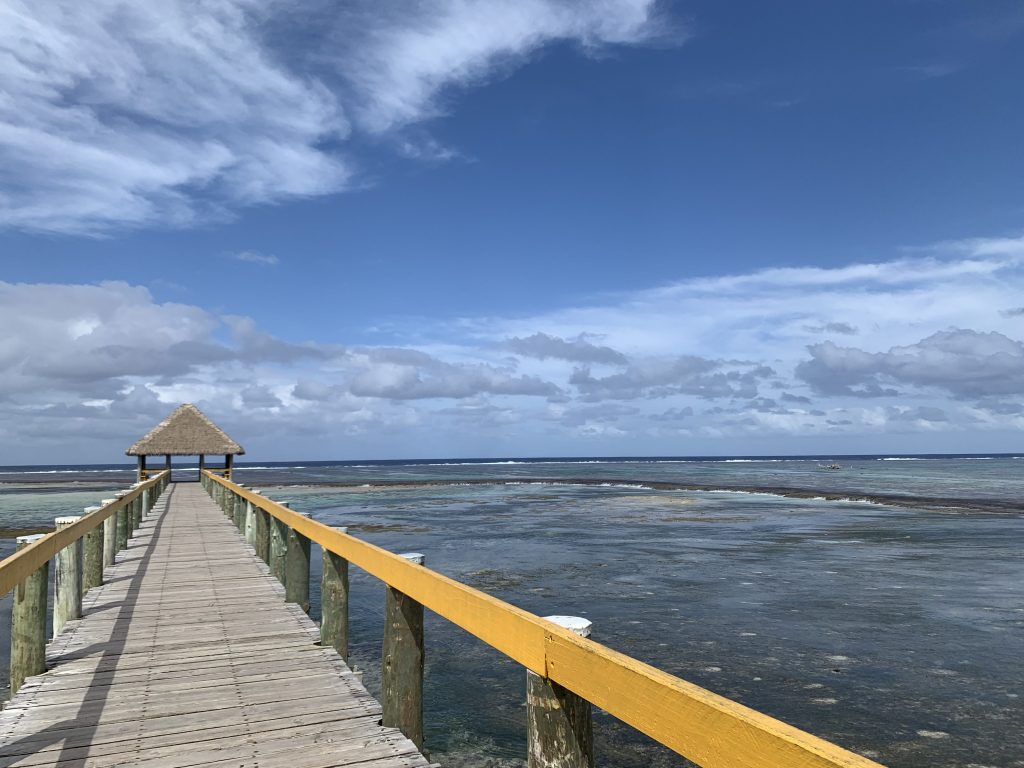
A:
67, 471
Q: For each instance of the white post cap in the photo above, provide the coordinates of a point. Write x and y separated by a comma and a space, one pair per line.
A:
414, 557
88, 510
67, 520
30, 539
576, 624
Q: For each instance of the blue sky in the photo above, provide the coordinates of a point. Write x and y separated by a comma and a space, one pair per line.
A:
533, 228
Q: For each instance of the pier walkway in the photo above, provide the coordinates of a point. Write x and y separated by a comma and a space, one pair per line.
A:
188, 655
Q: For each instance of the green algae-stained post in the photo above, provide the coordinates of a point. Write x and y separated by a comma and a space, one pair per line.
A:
67, 580
28, 621
296, 569
278, 547
402, 662
559, 729
262, 539
137, 512
334, 602
240, 507
123, 523
92, 553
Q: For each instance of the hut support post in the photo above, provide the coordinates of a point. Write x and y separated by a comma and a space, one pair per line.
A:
402, 662
28, 622
142, 469
334, 602
559, 729
229, 462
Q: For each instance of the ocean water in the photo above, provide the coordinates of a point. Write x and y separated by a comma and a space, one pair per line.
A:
880, 606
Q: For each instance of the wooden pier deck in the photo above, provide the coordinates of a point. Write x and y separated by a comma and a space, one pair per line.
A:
189, 656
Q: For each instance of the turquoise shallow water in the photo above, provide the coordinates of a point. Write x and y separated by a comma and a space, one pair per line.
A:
894, 630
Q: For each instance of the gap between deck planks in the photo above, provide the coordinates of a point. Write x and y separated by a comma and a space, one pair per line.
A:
189, 656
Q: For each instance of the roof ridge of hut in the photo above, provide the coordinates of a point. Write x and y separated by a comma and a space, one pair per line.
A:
187, 431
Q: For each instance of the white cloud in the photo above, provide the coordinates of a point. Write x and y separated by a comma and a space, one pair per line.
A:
767, 356
578, 350
964, 363
408, 54
117, 114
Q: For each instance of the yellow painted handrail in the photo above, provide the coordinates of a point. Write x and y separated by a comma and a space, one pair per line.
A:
19, 566
702, 726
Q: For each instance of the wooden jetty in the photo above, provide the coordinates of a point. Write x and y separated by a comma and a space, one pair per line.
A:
189, 656
191, 646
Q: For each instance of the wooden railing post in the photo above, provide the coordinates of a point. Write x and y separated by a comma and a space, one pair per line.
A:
129, 510
296, 569
135, 513
28, 621
92, 567
250, 521
278, 547
239, 517
262, 540
559, 729
147, 501
109, 538
402, 662
67, 580
122, 523
334, 602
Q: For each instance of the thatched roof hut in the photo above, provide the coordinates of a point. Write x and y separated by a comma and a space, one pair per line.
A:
186, 432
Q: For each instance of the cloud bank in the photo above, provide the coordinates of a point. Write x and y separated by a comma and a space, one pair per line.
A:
119, 115
924, 353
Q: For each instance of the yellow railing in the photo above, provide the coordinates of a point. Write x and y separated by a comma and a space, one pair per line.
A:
19, 566
702, 726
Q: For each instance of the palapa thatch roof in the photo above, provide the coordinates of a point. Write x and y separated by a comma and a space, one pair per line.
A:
186, 432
